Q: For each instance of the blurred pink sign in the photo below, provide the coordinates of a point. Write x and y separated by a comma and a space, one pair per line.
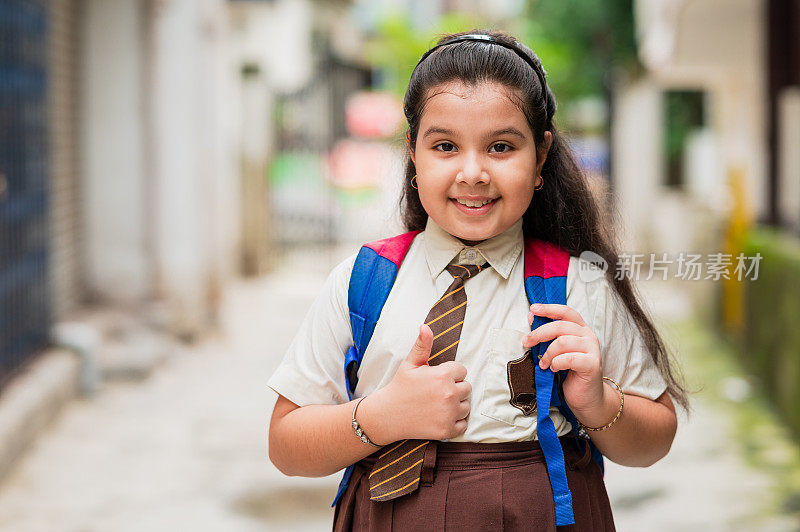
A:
359, 163
373, 114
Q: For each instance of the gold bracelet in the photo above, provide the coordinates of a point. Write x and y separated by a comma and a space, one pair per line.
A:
619, 412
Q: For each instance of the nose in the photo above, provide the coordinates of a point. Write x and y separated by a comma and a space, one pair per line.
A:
472, 171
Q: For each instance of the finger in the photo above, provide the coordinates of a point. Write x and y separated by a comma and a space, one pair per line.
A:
578, 362
557, 312
418, 356
554, 329
457, 371
460, 427
463, 409
463, 390
562, 344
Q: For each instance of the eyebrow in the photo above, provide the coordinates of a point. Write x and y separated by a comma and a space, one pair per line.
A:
505, 131
433, 129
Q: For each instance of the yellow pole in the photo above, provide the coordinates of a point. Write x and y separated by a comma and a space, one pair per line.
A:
738, 224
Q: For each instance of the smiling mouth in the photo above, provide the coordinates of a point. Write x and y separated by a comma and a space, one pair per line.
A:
474, 207
473, 203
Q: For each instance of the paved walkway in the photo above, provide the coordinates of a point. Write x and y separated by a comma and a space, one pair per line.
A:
703, 484
186, 449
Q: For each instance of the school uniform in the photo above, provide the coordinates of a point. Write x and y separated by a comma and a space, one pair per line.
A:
494, 326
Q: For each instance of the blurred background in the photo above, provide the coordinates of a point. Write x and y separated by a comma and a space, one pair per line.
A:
177, 178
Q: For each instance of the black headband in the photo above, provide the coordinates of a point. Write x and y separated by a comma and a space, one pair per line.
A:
540, 73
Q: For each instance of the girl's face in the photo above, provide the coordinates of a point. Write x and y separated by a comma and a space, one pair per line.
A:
476, 160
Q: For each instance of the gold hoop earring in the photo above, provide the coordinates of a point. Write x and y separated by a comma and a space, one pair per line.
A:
412, 182
540, 185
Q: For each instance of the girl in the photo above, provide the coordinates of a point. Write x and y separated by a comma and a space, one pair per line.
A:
487, 169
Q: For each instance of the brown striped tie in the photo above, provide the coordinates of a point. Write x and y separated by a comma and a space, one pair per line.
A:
397, 470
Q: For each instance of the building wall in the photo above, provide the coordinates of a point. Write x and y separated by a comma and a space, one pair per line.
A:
159, 184
789, 156
638, 161
66, 236
195, 191
716, 46
113, 151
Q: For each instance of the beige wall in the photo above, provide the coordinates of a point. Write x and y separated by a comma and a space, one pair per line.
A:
113, 150
710, 45
160, 167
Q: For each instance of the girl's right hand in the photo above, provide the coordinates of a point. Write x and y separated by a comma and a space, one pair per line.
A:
421, 401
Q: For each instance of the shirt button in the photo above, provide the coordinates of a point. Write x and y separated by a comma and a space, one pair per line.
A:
471, 254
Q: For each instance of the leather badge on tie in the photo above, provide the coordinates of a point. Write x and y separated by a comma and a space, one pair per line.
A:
522, 383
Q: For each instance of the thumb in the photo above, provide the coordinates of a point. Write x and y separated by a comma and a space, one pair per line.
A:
418, 356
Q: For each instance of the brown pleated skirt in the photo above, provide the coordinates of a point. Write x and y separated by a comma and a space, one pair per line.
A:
481, 486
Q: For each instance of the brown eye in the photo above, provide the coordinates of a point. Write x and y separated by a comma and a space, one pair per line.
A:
501, 147
445, 147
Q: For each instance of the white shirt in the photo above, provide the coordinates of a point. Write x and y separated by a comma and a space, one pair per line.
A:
312, 371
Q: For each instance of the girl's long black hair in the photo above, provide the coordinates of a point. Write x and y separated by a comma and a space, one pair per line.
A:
564, 211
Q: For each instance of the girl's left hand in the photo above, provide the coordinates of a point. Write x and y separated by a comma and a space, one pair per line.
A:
575, 347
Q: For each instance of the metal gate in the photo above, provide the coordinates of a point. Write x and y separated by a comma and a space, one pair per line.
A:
24, 295
308, 123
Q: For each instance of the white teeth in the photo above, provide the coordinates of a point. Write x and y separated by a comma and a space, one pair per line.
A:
470, 203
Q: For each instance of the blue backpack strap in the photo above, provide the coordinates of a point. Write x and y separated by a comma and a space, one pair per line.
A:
546, 282
597, 456
371, 280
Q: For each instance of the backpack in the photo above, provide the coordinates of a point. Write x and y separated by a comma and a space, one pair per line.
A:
374, 272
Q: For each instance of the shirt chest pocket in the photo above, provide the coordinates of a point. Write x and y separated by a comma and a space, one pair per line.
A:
509, 394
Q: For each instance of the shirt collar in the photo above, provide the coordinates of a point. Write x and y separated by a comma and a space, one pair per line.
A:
500, 251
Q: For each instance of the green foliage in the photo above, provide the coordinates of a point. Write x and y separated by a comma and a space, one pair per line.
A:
683, 113
397, 46
772, 303
581, 43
